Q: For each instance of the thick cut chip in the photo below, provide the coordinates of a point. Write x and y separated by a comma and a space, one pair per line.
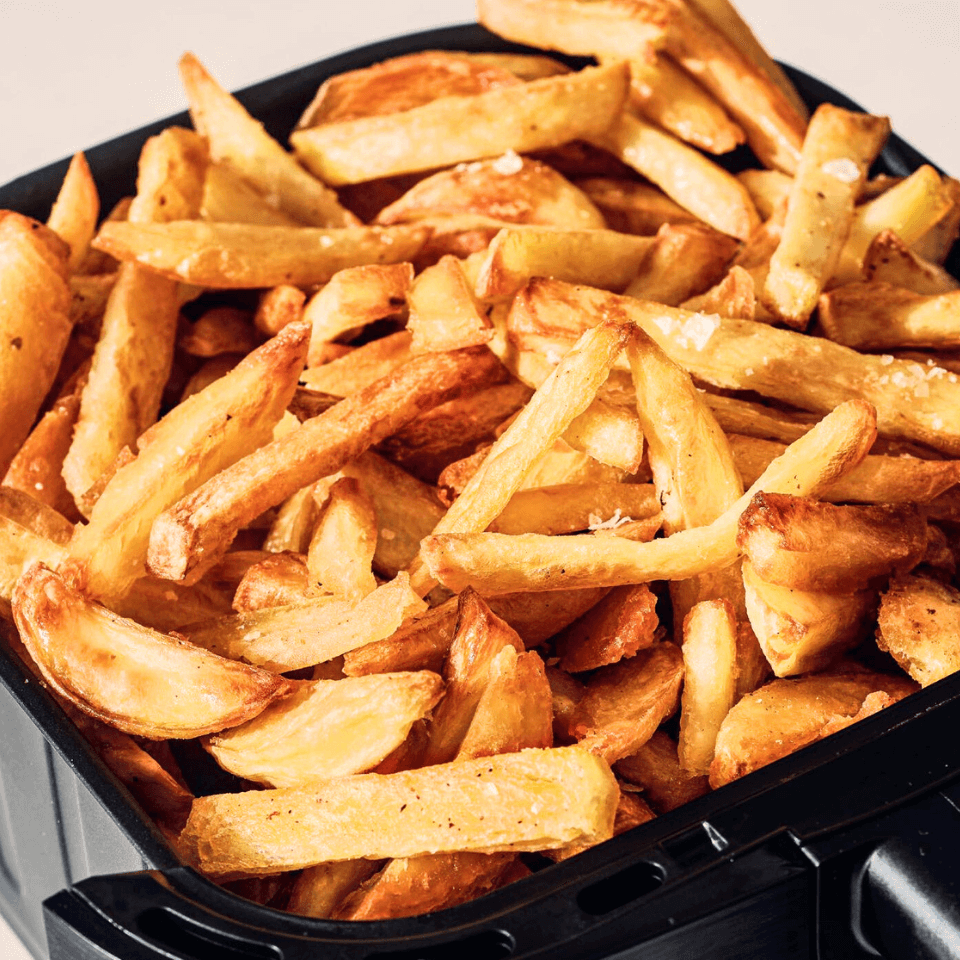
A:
785, 715
444, 313
244, 255
633, 207
280, 579
35, 323
74, 214
889, 260
320, 890
918, 627
625, 703
143, 682
202, 435
532, 800
511, 188
837, 152
228, 198
242, 145
656, 768
798, 542
530, 116
359, 367
278, 307
327, 728
695, 182
202, 525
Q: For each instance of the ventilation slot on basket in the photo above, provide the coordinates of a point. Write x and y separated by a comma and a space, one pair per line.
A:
193, 940
490, 945
620, 889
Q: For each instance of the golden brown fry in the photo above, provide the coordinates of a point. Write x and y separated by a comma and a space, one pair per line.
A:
320, 890
625, 703
75, 211
685, 175
304, 634
340, 556
622, 623
797, 542
918, 627
734, 296
35, 323
529, 116
361, 366
327, 728
664, 94
278, 307
409, 813
937, 242
767, 188
228, 198
353, 298
201, 526
242, 145
633, 207
497, 563
143, 682
656, 768
837, 152
280, 579
889, 260
685, 260
293, 525
220, 330
631, 812
800, 630
202, 436
785, 715
510, 188
444, 313
242, 255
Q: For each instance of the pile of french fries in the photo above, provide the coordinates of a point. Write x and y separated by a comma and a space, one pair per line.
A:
491, 473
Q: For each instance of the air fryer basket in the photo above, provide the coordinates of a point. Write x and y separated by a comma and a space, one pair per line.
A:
846, 849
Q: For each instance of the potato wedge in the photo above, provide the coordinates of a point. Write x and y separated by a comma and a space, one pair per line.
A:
327, 728
202, 435
75, 211
409, 813
656, 768
143, 682
280, 579
228, 198
243, 255
530, 116
889, 260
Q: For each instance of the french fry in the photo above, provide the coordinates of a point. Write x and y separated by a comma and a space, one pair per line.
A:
510, 188
293, 525
577, 28
220, 330
937, 242
241, 144
75, 211
767, 188
530, 116
353, 298
526, 66
564, 395
625, 703
360, 367
202, 524
877, 316
497, 563
737, 416
202, 435
685, 260
837, 152
340, 556
409, 813
656, 768
632, 812
664, 94
143, 682
917, 627
228, 198
444, 313
686, 176
600, 258
320, 890
796, 542
621, 624
242, 255
278, 307
889, 260
134, 352
35, 323
280, 639
734, 296
801, 630
785, 715
327, 728
632, 207
280, 579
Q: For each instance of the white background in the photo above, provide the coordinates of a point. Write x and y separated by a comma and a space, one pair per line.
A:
74, 74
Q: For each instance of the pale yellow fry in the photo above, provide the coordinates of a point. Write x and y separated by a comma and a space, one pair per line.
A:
444, 313
497, 563
300, 635
75, 211
228, 198
410, 813
565, 394
199, 437
837, 152
240, 143
530, 116
685, 175
247, 255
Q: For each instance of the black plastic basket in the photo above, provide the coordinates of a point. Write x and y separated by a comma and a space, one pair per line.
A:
847, 849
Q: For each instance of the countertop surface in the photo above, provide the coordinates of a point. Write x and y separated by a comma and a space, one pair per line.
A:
73, 75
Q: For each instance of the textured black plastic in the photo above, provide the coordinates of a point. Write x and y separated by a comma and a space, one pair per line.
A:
792, 863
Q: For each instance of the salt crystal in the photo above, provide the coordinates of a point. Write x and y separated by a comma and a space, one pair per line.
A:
511, 162
842, 169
